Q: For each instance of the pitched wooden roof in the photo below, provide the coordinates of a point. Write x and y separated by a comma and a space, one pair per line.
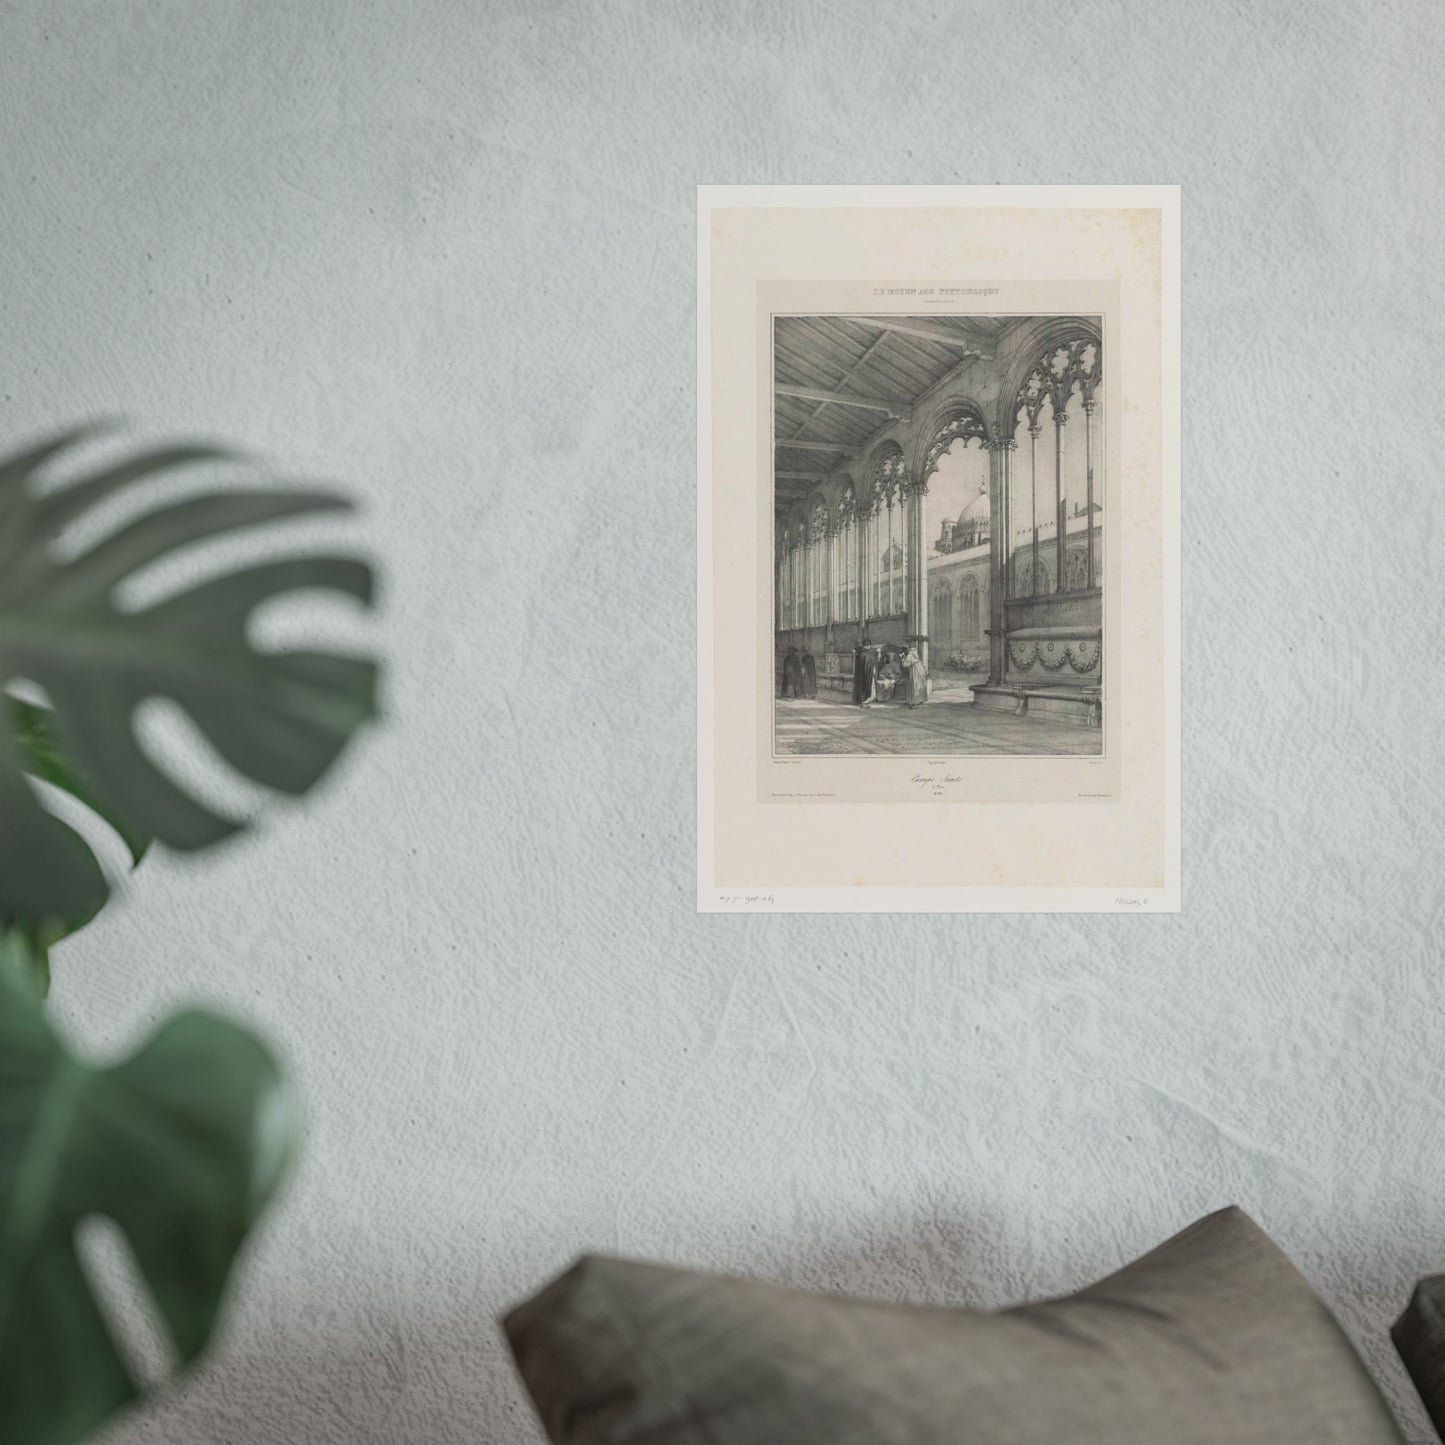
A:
837, 380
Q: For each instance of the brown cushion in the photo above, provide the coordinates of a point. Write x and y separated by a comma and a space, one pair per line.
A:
1213, 1337
1419, 1336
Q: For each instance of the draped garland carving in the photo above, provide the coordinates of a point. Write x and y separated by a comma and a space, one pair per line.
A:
1079, 655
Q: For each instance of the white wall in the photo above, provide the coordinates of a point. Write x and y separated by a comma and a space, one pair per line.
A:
444, 252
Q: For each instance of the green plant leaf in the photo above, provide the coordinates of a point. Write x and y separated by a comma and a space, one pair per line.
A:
26, 957
182, 1145
280, 718
38, 737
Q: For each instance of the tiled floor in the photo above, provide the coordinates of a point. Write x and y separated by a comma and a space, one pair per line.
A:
945, 726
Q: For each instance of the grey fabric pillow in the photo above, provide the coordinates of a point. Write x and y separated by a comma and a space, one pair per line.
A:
1419, 1336
1213, 1337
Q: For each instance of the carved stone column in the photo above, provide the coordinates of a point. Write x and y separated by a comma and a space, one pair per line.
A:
1034, 430
914, 492
818, 569
882, 561
866, 513
794, 564
777, 587
1060, 550
999, 476
829, 533
1090, 405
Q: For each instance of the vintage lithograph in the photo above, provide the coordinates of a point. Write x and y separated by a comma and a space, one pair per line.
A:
938, 548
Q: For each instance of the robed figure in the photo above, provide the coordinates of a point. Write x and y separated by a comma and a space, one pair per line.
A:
889, 675
864, 665
792, 674
810, 675
917, 678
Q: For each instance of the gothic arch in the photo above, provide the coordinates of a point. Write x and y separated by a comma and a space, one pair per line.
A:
885, 468
810, 512
1036, 343
946, 423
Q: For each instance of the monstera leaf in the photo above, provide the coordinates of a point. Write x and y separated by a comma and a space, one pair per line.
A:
181, 1144
280, 718
34, 731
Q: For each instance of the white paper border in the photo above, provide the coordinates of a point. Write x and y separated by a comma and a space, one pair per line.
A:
1166, 199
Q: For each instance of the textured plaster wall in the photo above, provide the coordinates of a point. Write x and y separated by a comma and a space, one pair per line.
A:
444, 251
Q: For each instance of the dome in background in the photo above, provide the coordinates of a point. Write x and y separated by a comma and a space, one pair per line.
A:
971, 529
975, 515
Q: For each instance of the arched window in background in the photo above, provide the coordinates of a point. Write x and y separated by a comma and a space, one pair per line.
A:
877, 514
785, 615
971, 623
1077, 577
785, 577
845, 571
780, 571
885, 540
818, 565
893, 558
800, 607
940, 619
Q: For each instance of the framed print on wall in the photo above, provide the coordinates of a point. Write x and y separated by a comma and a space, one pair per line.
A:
938, 547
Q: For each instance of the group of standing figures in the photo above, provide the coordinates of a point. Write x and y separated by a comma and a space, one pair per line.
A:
881, 673
800, 674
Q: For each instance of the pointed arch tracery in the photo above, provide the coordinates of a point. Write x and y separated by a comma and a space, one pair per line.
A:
1060, 376
885, 539
845, 559
816, 564
962, 422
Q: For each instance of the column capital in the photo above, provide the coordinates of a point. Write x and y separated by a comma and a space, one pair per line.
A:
1003, 444
1060, 417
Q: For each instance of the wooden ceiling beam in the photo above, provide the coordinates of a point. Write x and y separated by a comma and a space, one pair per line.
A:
900, 409
842, 382
922, 327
